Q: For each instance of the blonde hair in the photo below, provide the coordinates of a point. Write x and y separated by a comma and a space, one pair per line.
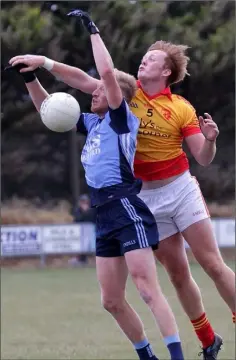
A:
176, 60
128, 84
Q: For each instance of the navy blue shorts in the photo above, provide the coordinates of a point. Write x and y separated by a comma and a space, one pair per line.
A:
123, 225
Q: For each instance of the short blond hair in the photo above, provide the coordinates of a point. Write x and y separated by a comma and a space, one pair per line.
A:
176, 59
128, 84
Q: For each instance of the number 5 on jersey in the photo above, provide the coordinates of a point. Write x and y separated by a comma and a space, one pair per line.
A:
149, 112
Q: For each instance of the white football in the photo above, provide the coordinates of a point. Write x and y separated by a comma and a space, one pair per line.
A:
60, 112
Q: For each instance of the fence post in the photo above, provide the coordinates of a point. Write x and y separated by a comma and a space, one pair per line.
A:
42, 254
73, 166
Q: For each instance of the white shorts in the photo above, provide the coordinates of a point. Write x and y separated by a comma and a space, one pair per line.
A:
177, 205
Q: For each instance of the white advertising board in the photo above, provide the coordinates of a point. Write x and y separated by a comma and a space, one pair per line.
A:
20, 240
23, 240
61, 239
225, 232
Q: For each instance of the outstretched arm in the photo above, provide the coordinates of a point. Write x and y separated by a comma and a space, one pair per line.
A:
70, 75
74, 77
37, 93
105, 69
103, 61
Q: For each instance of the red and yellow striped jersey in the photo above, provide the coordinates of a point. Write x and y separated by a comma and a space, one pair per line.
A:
165, 119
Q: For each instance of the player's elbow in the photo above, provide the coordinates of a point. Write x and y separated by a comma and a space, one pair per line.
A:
107, 74
203, 161
203, 158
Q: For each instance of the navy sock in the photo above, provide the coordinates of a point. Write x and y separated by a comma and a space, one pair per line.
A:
174, 346
144, 350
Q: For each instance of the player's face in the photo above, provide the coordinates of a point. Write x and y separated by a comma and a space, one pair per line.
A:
153, 66
99, 100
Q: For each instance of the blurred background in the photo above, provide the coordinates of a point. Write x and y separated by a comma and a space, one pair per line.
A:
46, 210
40, 167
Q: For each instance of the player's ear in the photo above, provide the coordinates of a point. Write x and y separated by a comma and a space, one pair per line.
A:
166, 72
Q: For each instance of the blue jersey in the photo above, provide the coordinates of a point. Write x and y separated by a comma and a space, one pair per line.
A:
108, 154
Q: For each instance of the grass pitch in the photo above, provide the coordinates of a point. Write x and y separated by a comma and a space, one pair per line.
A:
56, 314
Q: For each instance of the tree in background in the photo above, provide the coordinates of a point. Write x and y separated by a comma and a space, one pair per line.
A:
35, 163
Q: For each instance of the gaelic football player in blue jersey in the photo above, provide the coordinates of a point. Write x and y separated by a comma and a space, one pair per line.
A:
126, 229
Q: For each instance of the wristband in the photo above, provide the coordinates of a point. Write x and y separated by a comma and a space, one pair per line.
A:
92, 28
48, 64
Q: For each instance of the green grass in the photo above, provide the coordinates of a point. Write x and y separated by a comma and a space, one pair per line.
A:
56, 314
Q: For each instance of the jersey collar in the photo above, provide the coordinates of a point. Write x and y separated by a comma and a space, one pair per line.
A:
165, 92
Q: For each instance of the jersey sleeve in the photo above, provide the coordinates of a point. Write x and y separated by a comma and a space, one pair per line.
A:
85, 123
189, 122
122, 119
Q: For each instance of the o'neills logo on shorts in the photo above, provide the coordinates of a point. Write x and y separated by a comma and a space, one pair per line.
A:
199, 212
129, 243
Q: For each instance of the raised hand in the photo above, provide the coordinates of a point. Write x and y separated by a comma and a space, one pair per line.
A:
16, 68
31, 62
86, 20
208, 127
28, 76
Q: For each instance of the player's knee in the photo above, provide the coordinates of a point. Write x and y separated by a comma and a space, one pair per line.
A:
112, 305
180, 277
146, 295
214, 268
142, 283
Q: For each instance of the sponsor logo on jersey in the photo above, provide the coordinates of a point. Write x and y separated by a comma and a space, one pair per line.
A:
133, 105
91, 148
150, 128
